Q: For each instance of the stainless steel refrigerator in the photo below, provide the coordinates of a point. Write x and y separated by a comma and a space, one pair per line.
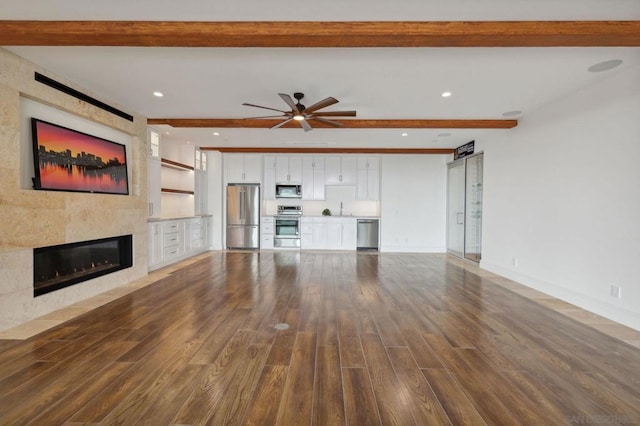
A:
243, 216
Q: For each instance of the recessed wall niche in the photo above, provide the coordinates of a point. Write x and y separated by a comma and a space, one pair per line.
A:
30, 108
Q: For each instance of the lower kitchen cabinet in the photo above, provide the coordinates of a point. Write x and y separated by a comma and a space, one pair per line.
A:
176, 239
155, 243
342, 234
329, 233
266, 232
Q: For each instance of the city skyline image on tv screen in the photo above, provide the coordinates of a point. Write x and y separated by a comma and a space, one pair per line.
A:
69, 160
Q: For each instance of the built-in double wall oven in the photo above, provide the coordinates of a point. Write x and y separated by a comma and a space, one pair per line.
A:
287, 224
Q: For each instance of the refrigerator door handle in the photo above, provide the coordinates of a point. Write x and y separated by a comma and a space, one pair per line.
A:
242, 200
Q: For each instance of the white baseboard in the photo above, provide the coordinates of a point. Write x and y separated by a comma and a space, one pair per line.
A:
607, 310
412, 249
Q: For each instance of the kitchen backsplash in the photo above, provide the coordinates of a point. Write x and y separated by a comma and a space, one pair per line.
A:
333, 196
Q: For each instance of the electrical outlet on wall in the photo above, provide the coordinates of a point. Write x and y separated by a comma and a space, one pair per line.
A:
514, 262
616, 292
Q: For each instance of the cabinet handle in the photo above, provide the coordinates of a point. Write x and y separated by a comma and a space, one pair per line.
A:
150, 209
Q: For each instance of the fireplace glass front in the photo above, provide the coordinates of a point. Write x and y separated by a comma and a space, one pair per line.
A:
60, 266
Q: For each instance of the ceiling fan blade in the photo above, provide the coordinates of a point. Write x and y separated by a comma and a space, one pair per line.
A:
289, 102
282, 123
329, 122
267, 116
319, 105
264, 107
306, 126
335, 114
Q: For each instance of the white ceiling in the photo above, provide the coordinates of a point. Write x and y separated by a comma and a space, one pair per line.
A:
392, 83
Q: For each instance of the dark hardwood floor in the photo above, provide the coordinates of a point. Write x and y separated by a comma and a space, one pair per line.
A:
393, 339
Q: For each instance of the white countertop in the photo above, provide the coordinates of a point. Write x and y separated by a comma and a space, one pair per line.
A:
341, 217
160, 219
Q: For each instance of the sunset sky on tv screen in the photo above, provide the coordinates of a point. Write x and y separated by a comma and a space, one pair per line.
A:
58, 139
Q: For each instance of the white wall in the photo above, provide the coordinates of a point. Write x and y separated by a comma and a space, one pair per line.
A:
413, 203
215, 192
562, 196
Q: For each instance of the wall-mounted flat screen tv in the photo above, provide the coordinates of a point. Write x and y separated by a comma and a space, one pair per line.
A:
69, 160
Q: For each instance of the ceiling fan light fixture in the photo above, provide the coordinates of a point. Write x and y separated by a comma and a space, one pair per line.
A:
298, 117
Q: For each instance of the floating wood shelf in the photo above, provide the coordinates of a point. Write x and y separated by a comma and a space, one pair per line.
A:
175, 164
176, 191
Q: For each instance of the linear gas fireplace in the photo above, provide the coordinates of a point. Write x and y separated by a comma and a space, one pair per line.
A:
60, 266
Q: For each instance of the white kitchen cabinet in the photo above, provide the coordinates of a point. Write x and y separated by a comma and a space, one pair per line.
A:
319, 233
201, 205
349, 233
153, 137
155, 244
368, 186
341, 170
243, 168
313, 233
269, 187
288, 169
154, 196
173, 240
306, 233
330, 233
334, 235
266, 232
313, 178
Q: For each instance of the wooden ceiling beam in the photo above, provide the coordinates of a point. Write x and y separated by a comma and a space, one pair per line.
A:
248, 123
266, 150
321, 34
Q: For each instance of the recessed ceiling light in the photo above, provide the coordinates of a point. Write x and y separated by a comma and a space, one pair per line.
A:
405, 134
216, 134
167, 133
446, 94
511, 113
444, 135
158, 94
605, 66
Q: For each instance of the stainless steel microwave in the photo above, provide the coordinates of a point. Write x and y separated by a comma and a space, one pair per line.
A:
288, 191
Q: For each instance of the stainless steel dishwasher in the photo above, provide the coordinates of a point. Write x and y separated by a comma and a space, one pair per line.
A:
368, 231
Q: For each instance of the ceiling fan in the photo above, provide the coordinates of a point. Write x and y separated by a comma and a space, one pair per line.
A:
303, 114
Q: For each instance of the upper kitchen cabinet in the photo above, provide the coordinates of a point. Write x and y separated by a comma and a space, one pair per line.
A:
201, 184
341, 170
288, 169
269, 190
154, 196
368, 187
243, 168
313, 178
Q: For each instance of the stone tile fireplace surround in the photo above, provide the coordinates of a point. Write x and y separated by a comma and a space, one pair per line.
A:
30, 218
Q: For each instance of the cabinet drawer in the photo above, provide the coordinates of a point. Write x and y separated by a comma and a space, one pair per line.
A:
170, 240
266, 242
170, 226
266, 219
196, 244
170, 252
196, 234
267, 228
